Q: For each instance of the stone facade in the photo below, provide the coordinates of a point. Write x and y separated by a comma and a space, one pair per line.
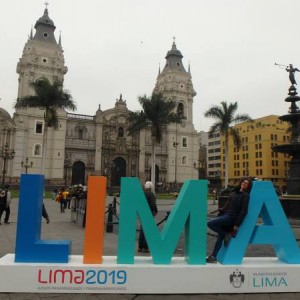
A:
99, 145
7, 142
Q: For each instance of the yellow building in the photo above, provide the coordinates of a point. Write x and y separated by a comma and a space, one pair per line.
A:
255, 157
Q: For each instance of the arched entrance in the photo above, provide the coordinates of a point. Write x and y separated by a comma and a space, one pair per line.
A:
78, 173
118, 171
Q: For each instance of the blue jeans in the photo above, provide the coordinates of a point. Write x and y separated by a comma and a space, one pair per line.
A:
221, 225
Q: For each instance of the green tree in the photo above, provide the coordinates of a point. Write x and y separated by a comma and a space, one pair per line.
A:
156, 113
226, 117
49, 97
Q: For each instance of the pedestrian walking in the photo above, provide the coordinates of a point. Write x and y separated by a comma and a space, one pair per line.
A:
151, 199
7, 208
2, 202
45, 214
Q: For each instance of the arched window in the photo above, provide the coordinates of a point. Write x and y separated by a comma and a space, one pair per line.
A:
180, 109
184, 160
121, 132
37, 150
80, 134
39, 127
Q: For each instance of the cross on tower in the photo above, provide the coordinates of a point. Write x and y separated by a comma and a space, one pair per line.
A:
46, 3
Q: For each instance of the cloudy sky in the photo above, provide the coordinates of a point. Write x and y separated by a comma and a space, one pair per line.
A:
116, 46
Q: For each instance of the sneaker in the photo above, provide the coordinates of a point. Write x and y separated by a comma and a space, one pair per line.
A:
211, 260
140, 250
146, 250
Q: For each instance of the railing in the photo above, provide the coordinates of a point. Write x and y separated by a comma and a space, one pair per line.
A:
82, 117
158, 149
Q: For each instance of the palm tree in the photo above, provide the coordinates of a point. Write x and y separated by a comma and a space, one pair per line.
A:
225, 116
49, 97
155, 115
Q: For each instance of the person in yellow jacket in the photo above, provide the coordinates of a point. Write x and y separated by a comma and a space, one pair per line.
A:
63, 201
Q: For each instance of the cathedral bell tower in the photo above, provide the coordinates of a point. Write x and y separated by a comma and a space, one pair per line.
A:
42, 58
182, 140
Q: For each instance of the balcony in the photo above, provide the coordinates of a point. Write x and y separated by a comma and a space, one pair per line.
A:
81, 117
80, 144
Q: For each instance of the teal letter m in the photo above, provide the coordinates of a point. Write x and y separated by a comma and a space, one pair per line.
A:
189, 212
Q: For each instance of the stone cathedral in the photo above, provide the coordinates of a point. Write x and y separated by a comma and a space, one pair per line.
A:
97, 144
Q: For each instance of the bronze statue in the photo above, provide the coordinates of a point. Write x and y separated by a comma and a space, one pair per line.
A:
292, 71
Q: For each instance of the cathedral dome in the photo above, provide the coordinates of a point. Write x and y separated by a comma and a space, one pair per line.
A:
174, 61
174, 52
4, 114
45, 20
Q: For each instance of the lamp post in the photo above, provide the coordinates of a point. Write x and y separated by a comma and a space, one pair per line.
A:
111, 164
218, 183
201, 169
175, 144
218, 177
26, 165
66, 165
6, 154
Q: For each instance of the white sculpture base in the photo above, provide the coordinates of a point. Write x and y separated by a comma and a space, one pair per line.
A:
255, 275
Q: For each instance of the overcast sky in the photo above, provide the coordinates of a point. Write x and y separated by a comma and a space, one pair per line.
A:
116, 46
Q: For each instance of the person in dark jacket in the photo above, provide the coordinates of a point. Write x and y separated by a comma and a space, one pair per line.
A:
227, 223
7, 208
45, 214
3, 202
151, 199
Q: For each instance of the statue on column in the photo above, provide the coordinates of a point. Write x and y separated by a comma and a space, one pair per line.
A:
292, 71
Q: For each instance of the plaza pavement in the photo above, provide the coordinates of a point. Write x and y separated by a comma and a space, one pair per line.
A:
61, 227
